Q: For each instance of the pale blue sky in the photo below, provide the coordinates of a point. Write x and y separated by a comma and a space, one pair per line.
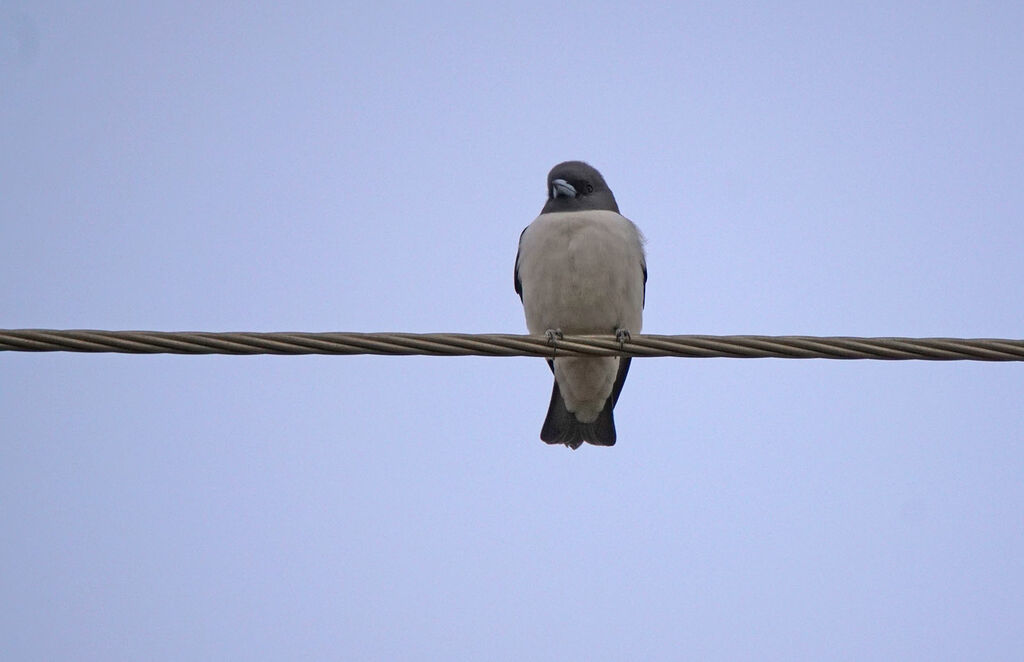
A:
812, 168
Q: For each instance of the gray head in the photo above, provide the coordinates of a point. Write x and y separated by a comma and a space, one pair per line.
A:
575, 186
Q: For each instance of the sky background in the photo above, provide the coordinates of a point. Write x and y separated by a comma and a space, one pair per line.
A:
800, 168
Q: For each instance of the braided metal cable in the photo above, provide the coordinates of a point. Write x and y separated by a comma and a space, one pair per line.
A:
464, 344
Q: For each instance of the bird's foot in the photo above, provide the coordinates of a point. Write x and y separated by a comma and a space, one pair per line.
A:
622, 335
553, 335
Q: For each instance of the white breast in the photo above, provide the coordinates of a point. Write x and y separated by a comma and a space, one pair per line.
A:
582, 272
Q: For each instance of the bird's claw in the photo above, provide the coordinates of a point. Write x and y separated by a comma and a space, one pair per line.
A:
553, 335
622, 335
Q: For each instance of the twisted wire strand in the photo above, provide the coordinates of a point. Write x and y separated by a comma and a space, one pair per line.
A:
489, 344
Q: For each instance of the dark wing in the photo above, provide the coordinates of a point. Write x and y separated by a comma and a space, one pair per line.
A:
643, 265
518, 283
620, 379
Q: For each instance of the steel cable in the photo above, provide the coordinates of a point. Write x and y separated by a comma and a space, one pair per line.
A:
464, 344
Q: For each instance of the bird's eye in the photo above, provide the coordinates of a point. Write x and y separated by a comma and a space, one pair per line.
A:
590, 188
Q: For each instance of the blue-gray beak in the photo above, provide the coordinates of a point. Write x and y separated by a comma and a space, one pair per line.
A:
562, 189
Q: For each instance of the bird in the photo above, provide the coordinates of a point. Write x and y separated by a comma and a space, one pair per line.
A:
581, 269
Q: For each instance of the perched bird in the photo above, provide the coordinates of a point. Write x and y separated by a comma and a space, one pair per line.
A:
581, 270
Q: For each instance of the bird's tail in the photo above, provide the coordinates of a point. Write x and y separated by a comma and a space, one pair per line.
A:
562, 427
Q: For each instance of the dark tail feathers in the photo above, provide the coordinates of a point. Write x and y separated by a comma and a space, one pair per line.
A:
562, 427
